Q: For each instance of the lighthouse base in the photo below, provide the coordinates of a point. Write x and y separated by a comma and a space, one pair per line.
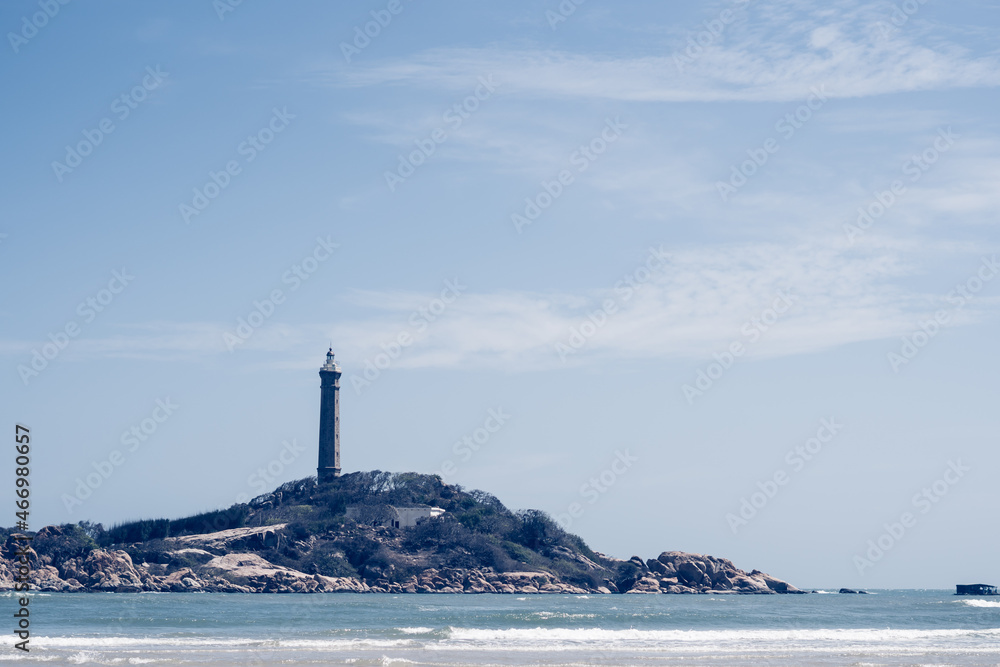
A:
327, 474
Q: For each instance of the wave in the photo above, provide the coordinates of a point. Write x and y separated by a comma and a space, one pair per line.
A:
980, 603
93, 657
591, 635
544, 615
89, 649
87, 645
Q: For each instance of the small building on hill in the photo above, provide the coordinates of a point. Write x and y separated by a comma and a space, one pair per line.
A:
392, 516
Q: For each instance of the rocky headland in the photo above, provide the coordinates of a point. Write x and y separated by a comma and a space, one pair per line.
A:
298, 539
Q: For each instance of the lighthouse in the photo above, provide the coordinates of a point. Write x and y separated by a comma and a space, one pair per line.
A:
329, 420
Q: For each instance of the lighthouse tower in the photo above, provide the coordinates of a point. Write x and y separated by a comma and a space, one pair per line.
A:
329, 420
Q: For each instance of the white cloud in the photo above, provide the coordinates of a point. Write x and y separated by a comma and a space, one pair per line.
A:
692, 307
777, 54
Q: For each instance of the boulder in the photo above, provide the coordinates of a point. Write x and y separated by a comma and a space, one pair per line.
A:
73, 586
722, 582
475, 582
746, 584
678, 589
638, 562
692, 571
657, 567
233, 537
46, 578
181, 580
776, 585
645, 585
110, 571
340, 584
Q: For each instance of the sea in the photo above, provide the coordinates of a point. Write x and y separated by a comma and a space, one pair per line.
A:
886, 627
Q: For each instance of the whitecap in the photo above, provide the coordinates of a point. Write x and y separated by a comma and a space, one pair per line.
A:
980, 603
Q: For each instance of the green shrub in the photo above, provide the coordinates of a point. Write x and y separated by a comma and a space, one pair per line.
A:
66, 541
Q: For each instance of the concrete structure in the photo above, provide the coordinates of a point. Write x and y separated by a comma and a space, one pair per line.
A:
329, 420
391, 516
411, 516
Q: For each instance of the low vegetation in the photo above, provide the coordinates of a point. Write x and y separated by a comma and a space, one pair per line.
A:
477, 531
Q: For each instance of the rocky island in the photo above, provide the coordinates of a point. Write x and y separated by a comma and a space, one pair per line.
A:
345, 535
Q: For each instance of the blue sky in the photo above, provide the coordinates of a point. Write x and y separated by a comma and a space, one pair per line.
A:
675, 237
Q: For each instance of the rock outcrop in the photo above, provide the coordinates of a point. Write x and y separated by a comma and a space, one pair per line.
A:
112, 570
680, 572
300, 539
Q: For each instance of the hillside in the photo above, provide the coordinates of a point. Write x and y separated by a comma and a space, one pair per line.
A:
299, 539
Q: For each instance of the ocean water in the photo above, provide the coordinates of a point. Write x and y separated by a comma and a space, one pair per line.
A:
885, 628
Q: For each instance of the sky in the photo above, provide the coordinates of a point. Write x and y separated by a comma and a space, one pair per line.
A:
712, 277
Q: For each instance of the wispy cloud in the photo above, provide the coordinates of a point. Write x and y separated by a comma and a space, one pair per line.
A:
691, 308
776, 56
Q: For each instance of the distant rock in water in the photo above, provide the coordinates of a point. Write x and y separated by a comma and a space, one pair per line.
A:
850, 591
298, 539
680, 572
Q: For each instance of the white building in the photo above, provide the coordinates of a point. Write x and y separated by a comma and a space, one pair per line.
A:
392, 516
